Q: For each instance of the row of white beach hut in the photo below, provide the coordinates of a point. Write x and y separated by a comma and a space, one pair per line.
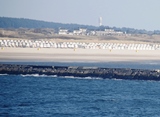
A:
84, 45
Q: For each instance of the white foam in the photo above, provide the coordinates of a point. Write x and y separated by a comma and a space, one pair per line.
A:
3, 74
55, 76
69, 77
37, 75
80, 77
34, 75
88, 77
153, 63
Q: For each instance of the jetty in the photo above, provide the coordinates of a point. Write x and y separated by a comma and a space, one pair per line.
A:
93, 72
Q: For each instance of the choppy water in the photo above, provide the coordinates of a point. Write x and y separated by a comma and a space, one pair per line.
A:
66, 97
43, 96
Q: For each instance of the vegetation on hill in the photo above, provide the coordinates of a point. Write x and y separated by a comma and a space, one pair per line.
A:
6, 22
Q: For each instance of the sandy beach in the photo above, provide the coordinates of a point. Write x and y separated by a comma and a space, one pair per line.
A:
76, 55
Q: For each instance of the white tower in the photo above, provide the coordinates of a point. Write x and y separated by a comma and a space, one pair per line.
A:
100, 21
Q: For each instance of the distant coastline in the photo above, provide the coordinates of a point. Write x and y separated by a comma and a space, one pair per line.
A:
55, 44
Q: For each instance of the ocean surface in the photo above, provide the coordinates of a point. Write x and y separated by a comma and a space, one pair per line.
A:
53, 96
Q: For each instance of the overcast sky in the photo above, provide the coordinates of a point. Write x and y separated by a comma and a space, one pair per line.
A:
139, 14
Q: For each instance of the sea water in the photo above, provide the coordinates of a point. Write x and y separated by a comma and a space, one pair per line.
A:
53, 96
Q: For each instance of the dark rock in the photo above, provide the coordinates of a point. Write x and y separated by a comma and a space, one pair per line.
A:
110, 73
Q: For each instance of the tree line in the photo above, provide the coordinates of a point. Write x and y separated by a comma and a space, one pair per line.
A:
6, 22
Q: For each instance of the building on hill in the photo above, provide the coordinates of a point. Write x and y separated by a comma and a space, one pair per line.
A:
81, 31
108, 32
63, 32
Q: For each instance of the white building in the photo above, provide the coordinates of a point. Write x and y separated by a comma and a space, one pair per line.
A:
108, 32
63, 32
81, 31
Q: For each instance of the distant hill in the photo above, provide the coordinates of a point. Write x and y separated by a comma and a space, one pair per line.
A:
6, 22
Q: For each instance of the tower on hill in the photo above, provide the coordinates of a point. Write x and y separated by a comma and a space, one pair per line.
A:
100, 21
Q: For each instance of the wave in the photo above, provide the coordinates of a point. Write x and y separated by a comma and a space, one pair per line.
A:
70, 77
53, 76
37, 75
89, 78
153, 63
3, 74
56, 76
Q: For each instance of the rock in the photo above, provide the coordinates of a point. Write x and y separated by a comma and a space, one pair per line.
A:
110, 73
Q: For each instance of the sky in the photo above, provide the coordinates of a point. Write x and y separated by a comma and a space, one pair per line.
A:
138, 14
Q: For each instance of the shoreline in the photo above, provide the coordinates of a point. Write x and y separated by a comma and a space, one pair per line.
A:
77, 55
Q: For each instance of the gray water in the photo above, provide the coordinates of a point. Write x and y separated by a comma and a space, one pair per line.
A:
133, 65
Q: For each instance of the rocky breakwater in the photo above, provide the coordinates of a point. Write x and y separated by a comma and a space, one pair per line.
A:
105, 73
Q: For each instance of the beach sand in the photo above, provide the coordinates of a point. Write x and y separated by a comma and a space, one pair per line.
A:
76, 55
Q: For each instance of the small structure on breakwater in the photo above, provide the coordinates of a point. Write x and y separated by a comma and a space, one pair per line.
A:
105, 73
